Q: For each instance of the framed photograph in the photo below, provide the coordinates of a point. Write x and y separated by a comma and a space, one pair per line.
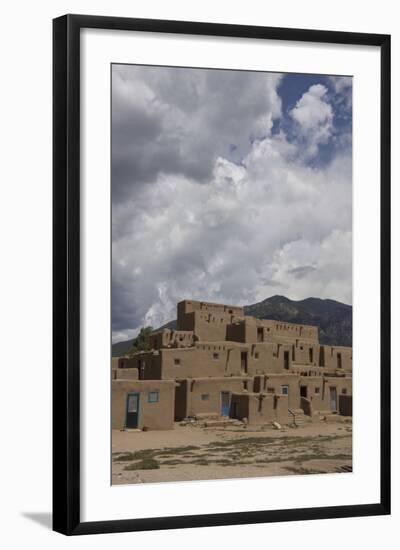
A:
221, 274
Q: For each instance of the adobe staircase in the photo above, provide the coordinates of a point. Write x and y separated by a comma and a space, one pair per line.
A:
297, 417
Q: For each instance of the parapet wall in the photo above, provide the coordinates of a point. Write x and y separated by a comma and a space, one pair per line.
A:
188, 306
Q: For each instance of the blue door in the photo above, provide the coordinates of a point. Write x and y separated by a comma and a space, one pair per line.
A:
225, 403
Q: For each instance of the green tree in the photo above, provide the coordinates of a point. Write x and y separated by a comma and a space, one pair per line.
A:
141, 342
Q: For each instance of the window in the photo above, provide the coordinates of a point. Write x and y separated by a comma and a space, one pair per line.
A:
177, 361
316, 390
154, 396
260, 334
270, 390
256, 355
215, 355
205, 396
285, 390
344, 391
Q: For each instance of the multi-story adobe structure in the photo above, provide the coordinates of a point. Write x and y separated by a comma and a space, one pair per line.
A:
222, 363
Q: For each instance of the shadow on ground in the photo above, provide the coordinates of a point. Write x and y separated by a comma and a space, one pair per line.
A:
42, 518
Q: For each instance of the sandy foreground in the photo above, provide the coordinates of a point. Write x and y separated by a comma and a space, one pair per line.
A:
198, 453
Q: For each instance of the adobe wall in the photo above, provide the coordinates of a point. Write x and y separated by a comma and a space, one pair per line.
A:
260, 409
206, 326
303, 369
272, 384
188, 306
125, 374
171, 338
318, 391
224, 359
148, 364
192, 362
292, 331
122, 362
202, 396
307, 352
336, 355
236, 331
156, 416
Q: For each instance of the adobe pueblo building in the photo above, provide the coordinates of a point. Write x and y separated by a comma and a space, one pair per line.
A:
221, 364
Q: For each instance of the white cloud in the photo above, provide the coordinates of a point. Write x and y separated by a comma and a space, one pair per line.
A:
314, 116
341, 83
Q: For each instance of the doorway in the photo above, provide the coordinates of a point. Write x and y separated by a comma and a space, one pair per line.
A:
225, 403
333, 398
303, 391
132, 411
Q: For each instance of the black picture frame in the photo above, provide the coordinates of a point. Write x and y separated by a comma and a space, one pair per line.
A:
66, 273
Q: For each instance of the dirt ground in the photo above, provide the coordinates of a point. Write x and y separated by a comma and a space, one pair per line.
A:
198, 453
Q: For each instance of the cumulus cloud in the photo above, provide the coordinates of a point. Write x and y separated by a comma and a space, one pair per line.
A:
314, 117
178, 121
209, 203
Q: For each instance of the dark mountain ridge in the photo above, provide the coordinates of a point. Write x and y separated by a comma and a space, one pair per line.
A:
334, 319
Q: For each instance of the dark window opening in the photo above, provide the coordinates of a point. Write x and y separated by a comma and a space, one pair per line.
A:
321, 356
215, 355
243, 361
311, 355
177, 361
286, 359
260, 334
205, 396
339, 360
303, 391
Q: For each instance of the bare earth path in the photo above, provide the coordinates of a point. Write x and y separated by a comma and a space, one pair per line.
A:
196, 453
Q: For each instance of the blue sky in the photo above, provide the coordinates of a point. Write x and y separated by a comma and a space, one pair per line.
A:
227, 186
